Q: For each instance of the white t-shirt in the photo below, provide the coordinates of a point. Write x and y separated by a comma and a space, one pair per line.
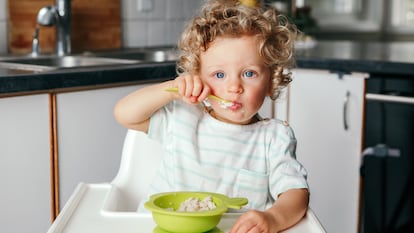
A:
255, 161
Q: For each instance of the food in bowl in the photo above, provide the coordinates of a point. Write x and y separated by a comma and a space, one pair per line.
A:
185, 222
194, 204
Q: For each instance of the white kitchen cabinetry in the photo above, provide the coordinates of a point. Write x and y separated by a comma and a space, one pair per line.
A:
25, 200
266, 109
89, 139
275, 109
319, 109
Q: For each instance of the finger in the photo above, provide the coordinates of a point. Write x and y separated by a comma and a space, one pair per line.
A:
197, 86
179, 82
244, 228
204, 94
189, 85
241, 226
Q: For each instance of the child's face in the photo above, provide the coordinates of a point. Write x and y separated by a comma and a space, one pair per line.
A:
234, 70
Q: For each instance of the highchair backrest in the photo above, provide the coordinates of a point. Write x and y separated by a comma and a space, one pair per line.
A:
141, 157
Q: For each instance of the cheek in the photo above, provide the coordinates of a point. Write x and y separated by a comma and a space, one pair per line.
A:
209, 82
256, 98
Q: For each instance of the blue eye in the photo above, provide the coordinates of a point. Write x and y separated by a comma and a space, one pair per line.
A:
249, 74
219, 75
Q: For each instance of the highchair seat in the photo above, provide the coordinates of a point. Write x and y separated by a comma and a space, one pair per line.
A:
111, 207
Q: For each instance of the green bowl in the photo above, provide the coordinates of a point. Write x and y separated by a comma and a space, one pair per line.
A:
164, 206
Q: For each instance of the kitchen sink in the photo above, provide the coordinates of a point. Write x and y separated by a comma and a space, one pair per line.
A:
142, 55
55, 62
89, 59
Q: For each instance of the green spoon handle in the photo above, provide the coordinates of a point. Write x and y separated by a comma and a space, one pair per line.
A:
175, 89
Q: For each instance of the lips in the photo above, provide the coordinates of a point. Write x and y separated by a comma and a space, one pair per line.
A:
235, 106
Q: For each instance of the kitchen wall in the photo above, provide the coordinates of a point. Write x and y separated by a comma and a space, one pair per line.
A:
160, 25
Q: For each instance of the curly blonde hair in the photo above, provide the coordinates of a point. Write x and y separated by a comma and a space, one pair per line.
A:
230, 18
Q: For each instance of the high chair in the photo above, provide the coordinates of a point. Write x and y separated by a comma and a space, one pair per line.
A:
111, 207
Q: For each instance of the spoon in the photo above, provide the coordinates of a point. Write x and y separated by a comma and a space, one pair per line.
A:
223, 103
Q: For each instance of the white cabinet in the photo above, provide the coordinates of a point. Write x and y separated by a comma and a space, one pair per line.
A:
275, 109
318, 110
89, 139
24, 164
266, 109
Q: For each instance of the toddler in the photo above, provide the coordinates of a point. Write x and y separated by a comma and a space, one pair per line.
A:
238, 53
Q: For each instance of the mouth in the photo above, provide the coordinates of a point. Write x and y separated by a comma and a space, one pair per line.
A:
234, 106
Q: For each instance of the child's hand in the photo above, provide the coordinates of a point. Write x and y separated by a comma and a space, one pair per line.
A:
191, 88
255, 221
289, 209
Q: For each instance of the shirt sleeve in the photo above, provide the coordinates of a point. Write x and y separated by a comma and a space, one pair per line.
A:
285, 171
160, 123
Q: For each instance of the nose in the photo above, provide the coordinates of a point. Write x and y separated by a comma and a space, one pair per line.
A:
234, 85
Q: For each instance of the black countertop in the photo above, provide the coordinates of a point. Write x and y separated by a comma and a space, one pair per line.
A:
375, 58
14, 82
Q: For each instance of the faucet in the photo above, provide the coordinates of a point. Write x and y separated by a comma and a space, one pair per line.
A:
35, 43
59, 16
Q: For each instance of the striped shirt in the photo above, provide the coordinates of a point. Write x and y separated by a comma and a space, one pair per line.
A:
255, 161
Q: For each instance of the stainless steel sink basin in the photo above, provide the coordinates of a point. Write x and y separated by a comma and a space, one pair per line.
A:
142, 55
90, 59
54, 62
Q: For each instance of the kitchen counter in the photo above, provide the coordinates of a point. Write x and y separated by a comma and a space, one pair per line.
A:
392, 59
16, 82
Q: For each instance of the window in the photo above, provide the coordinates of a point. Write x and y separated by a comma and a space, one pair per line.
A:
365, 16
333, 6
402, 13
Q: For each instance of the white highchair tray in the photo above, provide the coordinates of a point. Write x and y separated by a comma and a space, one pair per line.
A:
111, 207
84, 213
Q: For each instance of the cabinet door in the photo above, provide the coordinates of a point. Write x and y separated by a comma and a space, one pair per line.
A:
319, 108
275, 109
24, 164
89, 139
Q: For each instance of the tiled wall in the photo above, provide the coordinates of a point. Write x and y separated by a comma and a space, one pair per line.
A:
161, 25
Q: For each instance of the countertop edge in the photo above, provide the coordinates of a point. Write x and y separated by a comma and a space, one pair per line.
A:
90, 78
376, 59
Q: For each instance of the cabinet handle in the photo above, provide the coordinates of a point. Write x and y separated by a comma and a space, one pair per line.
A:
345, 110
389, 98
